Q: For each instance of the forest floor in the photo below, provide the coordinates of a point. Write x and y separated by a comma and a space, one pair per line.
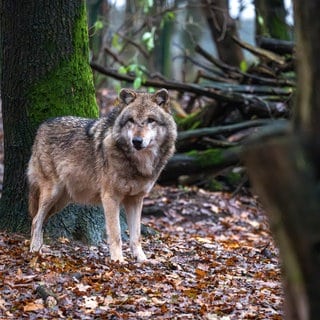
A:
212, 258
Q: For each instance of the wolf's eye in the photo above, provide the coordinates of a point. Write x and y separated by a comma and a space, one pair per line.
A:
151, 120
130, 120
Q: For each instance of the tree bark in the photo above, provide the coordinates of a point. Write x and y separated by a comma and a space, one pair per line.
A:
307, 111
45, 73
222, 28
285, 173
271, 19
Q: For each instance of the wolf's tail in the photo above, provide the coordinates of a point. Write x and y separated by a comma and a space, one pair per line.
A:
34, 193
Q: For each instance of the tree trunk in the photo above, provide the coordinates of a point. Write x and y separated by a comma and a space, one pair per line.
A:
271, 19
162, 52
222, 28
45, 73
285, 173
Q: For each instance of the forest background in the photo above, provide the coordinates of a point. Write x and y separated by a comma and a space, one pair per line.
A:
232, 109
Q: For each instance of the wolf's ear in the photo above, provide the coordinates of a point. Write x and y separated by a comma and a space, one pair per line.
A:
127, 95
161, 97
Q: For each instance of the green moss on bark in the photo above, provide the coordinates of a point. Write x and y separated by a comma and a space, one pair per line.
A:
208, 157
67, 89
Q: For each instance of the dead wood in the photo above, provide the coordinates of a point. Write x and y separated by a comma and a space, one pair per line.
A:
210, 161
278, 46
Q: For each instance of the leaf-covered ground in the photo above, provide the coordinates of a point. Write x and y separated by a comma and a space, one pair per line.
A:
213, 258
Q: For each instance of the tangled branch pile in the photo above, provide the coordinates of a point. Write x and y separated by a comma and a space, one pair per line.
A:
223, 108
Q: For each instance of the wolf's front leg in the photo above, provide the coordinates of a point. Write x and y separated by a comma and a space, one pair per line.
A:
111, 212
37, 233
133, 207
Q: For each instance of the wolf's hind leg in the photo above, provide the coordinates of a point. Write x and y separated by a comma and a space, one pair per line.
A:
49, 195
111, 208
133, 207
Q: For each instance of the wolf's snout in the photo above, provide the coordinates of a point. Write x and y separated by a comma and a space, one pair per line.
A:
137, 142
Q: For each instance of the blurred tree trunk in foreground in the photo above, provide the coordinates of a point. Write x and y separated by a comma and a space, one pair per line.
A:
285, 172
222, 28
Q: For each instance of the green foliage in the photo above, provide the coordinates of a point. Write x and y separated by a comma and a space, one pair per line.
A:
243, 66
148, 39
139, 72
260, 20
116, 43
215, 185
146, 5
234, 177
98, 25
168, 17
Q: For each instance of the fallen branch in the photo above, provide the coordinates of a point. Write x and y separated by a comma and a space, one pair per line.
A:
236, 73
275, 45
261, 53
197, 133
185, 136
210, 161
48, 297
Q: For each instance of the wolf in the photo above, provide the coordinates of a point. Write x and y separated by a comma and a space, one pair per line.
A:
113, 161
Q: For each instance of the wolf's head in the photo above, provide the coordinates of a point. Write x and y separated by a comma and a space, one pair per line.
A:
145, 121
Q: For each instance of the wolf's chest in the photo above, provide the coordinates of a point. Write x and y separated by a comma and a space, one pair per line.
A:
132, 186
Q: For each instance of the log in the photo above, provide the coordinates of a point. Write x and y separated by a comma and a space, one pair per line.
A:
210, 161
184, 136
281, 47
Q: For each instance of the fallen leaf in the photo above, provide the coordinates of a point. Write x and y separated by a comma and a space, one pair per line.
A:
33, 306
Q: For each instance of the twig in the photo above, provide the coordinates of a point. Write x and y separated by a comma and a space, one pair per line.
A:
236, 73
199, 64
140, 48
114, 56
221, 65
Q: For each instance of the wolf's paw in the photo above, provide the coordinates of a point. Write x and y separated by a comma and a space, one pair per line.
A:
138, 253
117, 258
141, 257
35, 247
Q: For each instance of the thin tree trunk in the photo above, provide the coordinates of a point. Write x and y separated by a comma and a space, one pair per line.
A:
222, 28
271, 19
162, 50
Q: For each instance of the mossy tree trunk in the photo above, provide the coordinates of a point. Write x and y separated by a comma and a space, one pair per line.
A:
285, 172
45, 73
271, 19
